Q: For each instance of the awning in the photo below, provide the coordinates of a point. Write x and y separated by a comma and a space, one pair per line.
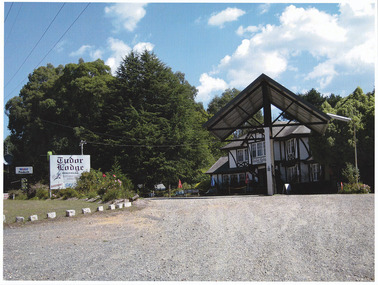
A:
250, 101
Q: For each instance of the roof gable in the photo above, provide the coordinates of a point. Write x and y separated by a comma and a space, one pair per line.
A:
251, 100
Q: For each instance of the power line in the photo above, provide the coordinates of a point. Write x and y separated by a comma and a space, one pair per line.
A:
53, 46
70, 127
145, 145
36, 44
10, 32
6, 17
121, 137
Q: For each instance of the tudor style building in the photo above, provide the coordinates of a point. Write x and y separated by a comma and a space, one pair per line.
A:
243, 169
271, 153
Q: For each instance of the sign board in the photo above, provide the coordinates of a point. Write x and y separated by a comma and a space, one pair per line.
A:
24, 170
66, 169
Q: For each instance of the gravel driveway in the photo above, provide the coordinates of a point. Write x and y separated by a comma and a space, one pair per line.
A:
238, 238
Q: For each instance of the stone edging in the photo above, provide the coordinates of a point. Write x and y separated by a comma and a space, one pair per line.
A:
71, 213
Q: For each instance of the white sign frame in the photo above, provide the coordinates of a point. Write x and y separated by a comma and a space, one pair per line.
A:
66, 169
24, 170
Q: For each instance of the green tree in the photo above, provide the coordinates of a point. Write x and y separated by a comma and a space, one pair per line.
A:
55, 109
157, 125
336, 147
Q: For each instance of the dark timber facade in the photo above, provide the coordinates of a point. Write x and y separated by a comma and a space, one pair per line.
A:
269, 154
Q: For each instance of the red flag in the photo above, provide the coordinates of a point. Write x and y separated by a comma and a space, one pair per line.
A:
180, 185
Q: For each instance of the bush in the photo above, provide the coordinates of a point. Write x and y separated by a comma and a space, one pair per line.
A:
42, 194
351, 173
18, 195
68, 193
355, 188
92, 195
110, 185
89, 182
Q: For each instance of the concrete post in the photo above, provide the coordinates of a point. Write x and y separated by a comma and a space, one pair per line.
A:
269, 162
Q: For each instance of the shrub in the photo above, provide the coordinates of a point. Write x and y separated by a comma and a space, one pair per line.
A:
110, 185
89, 182
351, 173
91, 195
42, 194
68, 193
355, 188
18, 195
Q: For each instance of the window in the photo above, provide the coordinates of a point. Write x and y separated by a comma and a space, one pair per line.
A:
239, 155
290, 149
258, 149
292, 173
315, 171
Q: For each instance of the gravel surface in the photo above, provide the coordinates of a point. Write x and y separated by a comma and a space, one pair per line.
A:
237, 238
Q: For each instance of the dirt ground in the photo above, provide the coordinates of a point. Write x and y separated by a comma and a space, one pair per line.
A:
234, 238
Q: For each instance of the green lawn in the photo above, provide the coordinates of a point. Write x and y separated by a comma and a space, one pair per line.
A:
26, 208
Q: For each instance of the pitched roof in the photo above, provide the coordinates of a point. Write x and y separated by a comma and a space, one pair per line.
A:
220, 162
222, 167
250, 101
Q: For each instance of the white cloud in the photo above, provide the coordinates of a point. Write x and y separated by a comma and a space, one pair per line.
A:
60, 46
142, 46
96, 54
81, 51
247, 31
228, 15
338, 43
264, 8
87, 49
208, 86
119, 50
324, 72
126, 15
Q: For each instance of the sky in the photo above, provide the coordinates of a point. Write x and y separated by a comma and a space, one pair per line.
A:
327, 46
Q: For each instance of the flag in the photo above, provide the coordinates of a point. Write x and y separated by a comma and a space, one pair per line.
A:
212, 182
179, 185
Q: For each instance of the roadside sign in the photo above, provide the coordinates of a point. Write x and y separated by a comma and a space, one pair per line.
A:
66, 169
24, 170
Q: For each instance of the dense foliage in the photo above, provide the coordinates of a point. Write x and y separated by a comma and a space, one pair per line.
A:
336, 148
144, 122
145, 118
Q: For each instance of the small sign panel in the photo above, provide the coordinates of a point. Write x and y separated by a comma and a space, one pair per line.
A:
24, 170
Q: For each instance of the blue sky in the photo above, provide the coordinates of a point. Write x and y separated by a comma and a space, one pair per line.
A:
330, 47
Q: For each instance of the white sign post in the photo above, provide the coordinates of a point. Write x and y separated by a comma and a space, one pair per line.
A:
66, 169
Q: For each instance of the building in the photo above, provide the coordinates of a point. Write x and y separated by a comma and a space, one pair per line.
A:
243, 169
269, 154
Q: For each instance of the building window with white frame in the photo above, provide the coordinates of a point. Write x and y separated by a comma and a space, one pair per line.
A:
258, 149
315, 171
291, 149
239, 155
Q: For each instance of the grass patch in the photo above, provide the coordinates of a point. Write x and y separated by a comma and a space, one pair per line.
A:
26, 208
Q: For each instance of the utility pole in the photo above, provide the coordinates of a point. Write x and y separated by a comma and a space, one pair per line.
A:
82, 143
